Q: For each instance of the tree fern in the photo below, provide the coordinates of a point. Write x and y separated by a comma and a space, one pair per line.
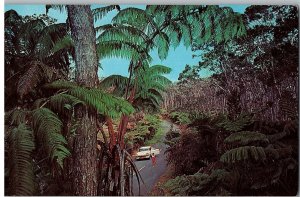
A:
48, 37
99, 13
122, 33
135, 17
163, 44
197, 184
246, 137
118, 82
244, 153
104, 103
236, 125
48, 127
59, 102
21, 175
62, 43
124, 50
61, 8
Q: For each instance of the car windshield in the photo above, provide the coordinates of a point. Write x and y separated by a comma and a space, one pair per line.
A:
144, 149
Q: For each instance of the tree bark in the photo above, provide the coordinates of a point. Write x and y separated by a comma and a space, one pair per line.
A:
85, 142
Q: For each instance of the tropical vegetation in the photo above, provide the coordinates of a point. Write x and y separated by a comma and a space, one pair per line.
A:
68, 132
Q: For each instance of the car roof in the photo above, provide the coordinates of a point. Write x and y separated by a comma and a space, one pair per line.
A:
145, 147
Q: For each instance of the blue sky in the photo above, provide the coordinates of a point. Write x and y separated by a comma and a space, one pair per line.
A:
177, 58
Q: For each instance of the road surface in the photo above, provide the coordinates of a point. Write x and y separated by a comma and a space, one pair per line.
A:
151, 174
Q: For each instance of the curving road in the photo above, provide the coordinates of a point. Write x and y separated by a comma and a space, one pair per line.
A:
151, 174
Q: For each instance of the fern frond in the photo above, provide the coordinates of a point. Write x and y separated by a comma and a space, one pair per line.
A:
244, 153
59, 102
104, 103
186, 34
123, 33
99, 13
61, 84
157, 70
17, 116
174, 33
64, 43
237, 125
135, 17
124, 50
114, 80
163, 44
36, 74
61, 8
48, 127
21, 175
246, 137
29, 79
46, 41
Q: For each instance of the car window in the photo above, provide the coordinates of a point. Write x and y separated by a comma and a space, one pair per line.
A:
144, 149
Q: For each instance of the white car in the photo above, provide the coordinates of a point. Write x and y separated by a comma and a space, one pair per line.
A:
145, 152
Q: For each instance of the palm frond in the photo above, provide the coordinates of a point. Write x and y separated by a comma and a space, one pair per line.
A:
20, 164
48, 127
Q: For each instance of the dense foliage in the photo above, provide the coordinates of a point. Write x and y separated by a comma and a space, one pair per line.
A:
258, 72
245, 139
255, 157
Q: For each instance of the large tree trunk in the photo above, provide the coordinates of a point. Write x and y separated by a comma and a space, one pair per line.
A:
85, 142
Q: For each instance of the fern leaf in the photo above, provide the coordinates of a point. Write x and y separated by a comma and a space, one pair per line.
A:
47, 39
61, 84
103, 102
163, 44
113, 80
21, 175
246, 137
59, 102
48, 127
61, 8
36, 74
124, 50
123, 33
29, 79
135, 17
63, 43
243, 153
99, 13
17, 116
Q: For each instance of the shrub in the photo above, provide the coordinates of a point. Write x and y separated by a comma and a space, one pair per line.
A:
180, 117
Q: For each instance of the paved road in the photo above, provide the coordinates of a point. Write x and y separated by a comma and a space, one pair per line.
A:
151, 174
